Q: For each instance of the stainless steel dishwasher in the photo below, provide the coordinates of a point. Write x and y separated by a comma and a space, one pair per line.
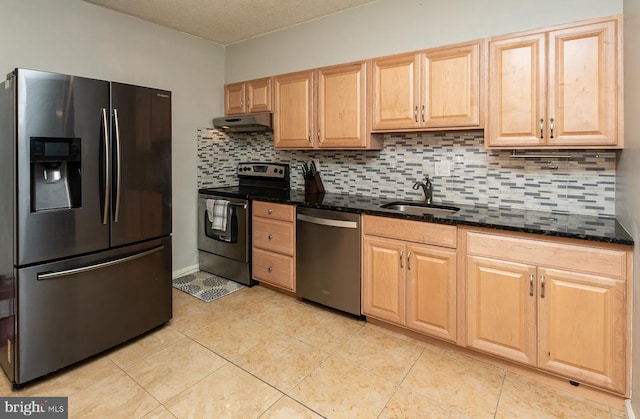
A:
328, 258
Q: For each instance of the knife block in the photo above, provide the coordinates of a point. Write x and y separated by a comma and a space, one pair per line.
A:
313, 185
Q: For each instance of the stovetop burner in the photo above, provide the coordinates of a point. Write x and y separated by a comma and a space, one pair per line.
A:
257, 179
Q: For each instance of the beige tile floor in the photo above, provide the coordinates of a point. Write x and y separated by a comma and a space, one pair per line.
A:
258, 353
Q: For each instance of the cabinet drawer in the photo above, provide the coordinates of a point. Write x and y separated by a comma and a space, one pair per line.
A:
273, 268
282, 212
273, 235
606, 262
415, 231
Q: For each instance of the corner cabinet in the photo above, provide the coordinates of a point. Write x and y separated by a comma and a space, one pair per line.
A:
555, 306
409, 275
248, 97
437, 88
322, 108
557, 89
273, 249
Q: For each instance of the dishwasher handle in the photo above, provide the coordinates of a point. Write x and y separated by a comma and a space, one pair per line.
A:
327, 221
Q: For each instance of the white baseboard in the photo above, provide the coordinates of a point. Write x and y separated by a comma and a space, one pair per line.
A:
185, 271
628, 409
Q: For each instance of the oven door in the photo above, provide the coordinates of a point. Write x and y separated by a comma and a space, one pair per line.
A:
238, 247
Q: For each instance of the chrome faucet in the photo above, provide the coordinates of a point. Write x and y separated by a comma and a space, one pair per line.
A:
427, 188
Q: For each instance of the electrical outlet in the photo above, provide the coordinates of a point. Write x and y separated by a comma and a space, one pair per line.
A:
443, 168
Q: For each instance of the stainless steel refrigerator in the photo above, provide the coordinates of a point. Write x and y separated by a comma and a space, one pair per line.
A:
85, 218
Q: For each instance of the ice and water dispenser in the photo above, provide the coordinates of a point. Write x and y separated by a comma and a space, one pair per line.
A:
56, 176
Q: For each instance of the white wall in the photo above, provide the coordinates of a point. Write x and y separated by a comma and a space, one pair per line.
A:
393, 26
628, 173
74, 37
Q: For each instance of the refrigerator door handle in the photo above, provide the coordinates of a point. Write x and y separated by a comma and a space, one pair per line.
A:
53, 275
116, 214
107, 166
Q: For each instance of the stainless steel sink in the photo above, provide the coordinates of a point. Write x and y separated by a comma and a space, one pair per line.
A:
420, 208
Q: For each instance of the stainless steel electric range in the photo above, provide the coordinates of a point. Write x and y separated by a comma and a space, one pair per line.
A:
229, 255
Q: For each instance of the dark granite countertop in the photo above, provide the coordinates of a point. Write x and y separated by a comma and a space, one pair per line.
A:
574, 226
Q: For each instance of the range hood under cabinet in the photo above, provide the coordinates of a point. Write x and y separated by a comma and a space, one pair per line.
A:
259, 122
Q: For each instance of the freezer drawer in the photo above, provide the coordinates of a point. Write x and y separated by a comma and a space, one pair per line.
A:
70, 310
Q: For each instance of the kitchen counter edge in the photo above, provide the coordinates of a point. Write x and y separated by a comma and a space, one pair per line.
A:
573, 226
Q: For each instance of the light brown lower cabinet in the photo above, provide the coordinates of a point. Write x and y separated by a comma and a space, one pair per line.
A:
412, 282
555, 306
273, 248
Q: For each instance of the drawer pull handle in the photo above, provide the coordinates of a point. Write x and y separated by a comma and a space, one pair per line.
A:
541, 286
270, 211
270, 269
551, 122
423, 114
401, 254
415, 114
541, 128
531, 285
409, 260
270, 236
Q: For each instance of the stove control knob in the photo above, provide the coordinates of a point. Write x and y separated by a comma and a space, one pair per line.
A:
280, 171
275, 170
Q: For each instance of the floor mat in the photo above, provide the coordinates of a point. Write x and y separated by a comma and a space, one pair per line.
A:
206, 286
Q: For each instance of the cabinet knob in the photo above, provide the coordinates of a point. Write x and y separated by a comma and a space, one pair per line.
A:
270, 236
269, 269
270, 211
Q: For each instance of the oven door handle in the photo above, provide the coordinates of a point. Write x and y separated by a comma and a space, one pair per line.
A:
243, 205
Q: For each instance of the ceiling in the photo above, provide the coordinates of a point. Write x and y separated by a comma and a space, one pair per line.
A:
228, 21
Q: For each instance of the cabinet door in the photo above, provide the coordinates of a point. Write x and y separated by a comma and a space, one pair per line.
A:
501, 308
431, 290
583, 86
516, 91
383, 287
293, 110
341, 107
234, 99
582, 327
395, 92
451, 87
258, 95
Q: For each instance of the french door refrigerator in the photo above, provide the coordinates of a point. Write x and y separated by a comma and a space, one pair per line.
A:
85, 218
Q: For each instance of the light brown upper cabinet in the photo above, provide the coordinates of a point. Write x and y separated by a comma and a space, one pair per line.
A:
248, 97
293, 110
560, 88
432, 89
322, 108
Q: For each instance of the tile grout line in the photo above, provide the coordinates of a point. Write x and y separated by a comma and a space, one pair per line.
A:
282, 393
504, 378
401, 381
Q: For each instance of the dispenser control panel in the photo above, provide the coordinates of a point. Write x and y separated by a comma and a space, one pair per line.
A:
44, 149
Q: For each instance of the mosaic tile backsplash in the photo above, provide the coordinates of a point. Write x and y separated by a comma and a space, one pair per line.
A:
583, 183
